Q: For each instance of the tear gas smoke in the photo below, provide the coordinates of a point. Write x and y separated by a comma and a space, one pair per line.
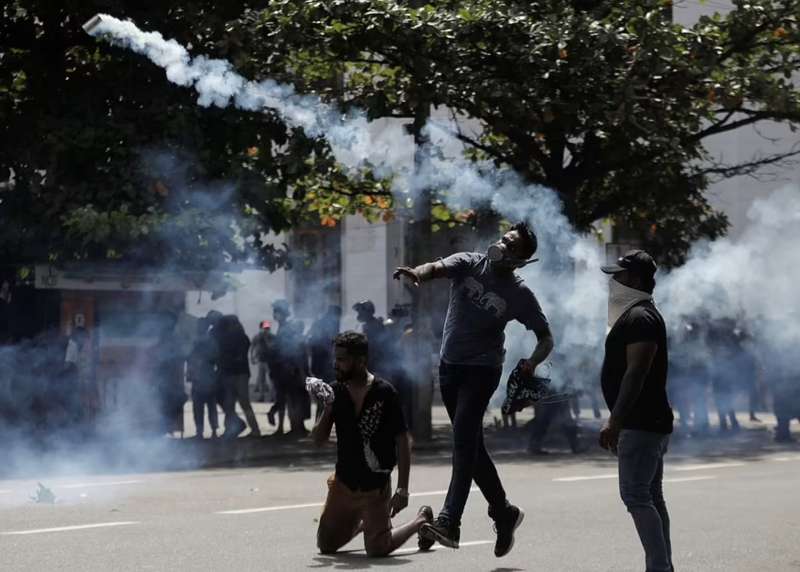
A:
751, 279
463, 183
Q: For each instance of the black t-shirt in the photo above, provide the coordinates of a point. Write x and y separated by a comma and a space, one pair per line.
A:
366, 446
642, 323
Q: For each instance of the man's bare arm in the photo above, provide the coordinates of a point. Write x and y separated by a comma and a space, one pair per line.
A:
403, 460
322, 430
544, 345
421, 273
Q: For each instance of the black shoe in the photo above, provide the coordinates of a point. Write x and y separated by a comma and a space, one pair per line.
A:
504, 525
425, 544
441, 531
271, 417
537, 451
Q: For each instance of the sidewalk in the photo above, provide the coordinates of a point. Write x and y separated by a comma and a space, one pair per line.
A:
753, 439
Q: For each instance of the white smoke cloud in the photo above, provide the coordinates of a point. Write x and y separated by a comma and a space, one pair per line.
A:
751, 279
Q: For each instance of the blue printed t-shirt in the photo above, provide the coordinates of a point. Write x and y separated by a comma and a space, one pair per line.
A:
481, 304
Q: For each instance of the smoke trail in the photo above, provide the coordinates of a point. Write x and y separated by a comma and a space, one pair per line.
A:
573, 289
219, 85
750, 279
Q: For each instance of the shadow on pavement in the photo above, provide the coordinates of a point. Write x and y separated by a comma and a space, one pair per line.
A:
356, 560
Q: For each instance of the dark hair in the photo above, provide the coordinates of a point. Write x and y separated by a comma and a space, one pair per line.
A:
529, 241
355, 343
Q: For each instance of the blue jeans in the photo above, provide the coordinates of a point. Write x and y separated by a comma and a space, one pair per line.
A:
466, 391
641, 471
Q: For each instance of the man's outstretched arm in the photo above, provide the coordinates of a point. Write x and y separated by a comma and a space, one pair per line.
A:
421, 273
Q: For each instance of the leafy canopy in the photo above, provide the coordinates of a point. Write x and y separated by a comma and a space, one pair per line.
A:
607, 103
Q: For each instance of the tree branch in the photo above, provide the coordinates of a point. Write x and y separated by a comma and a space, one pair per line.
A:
753, 116
751, 167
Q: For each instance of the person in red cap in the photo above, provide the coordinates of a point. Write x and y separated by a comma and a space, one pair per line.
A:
634, 382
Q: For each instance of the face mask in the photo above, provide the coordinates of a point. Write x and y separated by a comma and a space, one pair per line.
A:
499, 255
621, 298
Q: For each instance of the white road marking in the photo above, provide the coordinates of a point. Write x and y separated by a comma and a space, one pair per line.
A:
589, 478
270, 508
689, 479
438, 493
67, 528
778, 459
316, 504
705, 467
439, 547
708, 466
100, 484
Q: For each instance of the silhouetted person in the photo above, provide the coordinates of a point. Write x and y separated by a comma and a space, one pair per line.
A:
259, 356
556, 414
79, 363
374, 329
320, 343
201, 372
234, 375
726, 351
288, 368
168, 374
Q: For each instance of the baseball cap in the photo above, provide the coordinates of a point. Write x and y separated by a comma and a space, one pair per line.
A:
634, 260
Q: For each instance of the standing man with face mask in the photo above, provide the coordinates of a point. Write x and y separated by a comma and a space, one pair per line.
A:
634, 380
485, 294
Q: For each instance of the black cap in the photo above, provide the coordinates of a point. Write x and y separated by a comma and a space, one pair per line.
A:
637, 261
364, 305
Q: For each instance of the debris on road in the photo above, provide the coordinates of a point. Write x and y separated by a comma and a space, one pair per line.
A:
44, 495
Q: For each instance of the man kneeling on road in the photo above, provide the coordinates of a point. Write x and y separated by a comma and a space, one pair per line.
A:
371, 437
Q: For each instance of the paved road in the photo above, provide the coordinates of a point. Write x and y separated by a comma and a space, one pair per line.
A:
729, 513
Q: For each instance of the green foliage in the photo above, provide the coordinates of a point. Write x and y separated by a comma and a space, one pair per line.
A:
83, 127
608, 103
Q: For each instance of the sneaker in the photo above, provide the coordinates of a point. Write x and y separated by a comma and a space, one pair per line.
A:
425, 544
440, 531
504, 525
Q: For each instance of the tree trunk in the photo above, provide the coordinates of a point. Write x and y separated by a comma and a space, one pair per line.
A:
418, 251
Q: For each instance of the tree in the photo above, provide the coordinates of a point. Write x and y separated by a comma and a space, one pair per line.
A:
102, 158
607, 103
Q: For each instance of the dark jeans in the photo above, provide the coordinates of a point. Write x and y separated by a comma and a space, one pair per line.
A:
641, 471
466, 391
200, 401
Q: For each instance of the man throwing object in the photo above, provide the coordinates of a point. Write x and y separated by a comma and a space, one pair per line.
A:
485, 294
